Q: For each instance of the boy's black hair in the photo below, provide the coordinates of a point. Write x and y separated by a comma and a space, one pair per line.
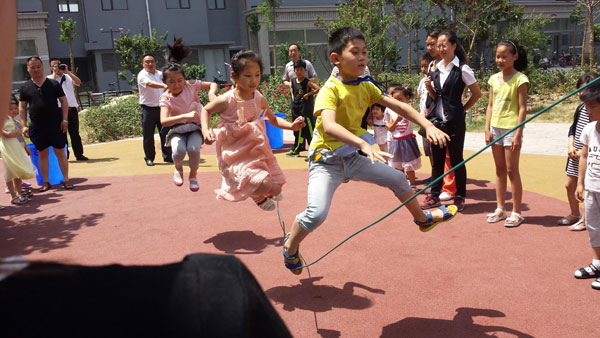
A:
242, 58
585, 78
406, 91
521, 62
428, 57
177, 52
300, 64
340, 38
591, 92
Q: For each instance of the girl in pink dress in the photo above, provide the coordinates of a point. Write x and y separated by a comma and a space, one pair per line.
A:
180, 110
245, 159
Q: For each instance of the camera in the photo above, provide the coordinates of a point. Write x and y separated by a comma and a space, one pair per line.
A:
62, 67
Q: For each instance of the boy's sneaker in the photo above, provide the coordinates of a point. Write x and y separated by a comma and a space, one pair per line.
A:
596, 284
430, 202
444, 196
459, 201
590, 271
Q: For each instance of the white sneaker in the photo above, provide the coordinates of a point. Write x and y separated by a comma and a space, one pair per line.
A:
444, 196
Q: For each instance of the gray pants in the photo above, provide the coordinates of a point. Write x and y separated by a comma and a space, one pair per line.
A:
592, 217
189, 143
329, 171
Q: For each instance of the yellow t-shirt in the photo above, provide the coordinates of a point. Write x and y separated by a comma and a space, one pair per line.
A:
349, 102
505, 96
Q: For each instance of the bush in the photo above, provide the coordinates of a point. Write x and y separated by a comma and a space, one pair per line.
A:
113, 120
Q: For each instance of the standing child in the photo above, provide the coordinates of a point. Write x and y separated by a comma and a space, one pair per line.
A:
506, 108
380, 129
179, 109
302, 97
580, 120
342, 150
589, 180
426, 60
245, 159
17, 165
403, 143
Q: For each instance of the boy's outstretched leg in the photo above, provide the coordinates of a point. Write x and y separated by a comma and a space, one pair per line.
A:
291, 248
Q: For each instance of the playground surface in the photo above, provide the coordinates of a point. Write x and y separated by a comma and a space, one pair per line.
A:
465, 278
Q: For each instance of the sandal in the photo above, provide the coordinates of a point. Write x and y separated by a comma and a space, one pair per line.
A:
67, 185
18, 200
596, 284
514, 220
45, 187
178, 178
569, 220
267, 204
579, 226
590, 271
449, 212
194, 184
295, 268
494, 217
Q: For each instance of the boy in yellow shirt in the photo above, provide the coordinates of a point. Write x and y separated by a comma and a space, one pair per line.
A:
343, 151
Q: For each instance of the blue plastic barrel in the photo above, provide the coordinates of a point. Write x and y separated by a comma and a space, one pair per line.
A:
275, 134
55, 176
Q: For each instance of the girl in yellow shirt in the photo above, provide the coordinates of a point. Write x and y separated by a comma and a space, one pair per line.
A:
506, 108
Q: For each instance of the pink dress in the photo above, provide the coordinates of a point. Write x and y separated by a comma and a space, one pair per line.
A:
244, 155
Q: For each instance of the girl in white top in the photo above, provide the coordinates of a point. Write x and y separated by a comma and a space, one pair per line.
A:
506, 108
379, 126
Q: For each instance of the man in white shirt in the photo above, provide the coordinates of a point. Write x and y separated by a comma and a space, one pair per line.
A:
151, 86
62, 74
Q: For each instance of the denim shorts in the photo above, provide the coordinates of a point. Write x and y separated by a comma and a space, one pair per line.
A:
328, 171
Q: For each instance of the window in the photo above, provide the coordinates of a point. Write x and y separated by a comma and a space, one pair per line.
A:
113, 5
66, 6
108, 62
178, 4
25, 49
216, 4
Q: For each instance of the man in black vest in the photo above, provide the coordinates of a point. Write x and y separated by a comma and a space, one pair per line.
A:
49, 123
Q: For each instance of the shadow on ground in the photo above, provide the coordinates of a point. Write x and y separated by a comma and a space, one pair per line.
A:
41, 234
460, 326
242, 242
320, 298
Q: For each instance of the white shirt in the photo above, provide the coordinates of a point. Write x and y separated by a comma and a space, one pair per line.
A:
422, 90
289, 75
468, 78
335, 71
591, 137
404, 126
149, 96
67, 87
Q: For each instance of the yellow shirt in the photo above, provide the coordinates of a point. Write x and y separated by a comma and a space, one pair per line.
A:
505, 96
349, 102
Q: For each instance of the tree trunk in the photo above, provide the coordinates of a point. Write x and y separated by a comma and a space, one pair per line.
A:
591, 37
583, 44
409, 37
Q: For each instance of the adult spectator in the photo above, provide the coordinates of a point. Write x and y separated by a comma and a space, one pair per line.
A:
49, 123
62, 74
288, 77
151, 87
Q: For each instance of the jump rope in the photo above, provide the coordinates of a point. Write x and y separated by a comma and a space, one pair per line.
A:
380, 86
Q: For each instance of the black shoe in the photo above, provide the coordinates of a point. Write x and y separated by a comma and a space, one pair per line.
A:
168, 159
149, 162
81, 158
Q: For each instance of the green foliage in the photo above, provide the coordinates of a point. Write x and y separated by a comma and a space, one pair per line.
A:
283, 52
253, 23
194, 72
527, 30
373, 20
131, 48
67, 30
114, 120
277, 95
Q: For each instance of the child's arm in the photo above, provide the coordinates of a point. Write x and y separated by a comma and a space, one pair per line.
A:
518, 139
23, 116
488, 118
218, 105
582, 170
314, 91
11, 134
278, 121
572, 150
332, 128
434, 135
429, 86
168, 121
291, 88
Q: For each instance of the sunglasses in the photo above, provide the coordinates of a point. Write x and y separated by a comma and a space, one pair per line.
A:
39, 90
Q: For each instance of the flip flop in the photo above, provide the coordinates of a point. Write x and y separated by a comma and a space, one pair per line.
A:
295, 268
579, 226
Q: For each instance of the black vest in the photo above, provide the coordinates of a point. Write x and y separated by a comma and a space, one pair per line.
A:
450, 96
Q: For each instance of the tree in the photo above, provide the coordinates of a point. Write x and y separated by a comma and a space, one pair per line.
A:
409, 18
68, 33
527, 30
589, 6
268, 10
131, 49
373, 20
577, 17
